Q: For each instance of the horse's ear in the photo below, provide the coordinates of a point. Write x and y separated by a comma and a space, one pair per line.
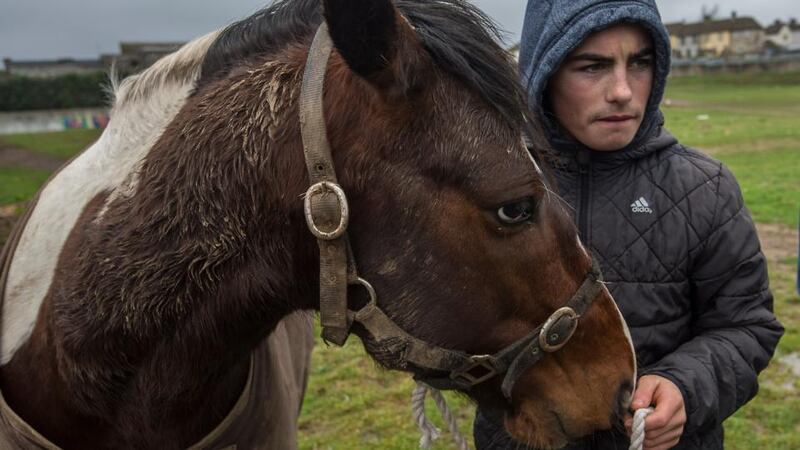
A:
368, 34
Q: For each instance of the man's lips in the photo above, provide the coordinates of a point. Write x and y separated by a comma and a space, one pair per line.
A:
616, 118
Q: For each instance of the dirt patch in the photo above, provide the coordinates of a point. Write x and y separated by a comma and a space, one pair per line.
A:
731, 107
6, 223
793, 361
8, 216
15, 157
779, 242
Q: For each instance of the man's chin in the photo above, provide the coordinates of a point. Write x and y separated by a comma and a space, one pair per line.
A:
609, 143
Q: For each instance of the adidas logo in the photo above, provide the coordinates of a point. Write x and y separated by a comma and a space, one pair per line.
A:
641, 206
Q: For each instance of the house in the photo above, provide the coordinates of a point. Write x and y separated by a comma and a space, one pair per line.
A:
137, 56
514, 50
133, 57
784, 35
734, 36
52, 68
683, 40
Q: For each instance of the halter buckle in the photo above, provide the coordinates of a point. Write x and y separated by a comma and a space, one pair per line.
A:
327, 187
558, 329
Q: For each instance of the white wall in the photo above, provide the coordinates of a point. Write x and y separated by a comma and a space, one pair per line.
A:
52, 120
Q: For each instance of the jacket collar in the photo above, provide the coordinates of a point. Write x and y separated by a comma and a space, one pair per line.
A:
566, 151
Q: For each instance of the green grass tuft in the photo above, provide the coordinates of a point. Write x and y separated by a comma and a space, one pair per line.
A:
61, 144
17, 185
770, 183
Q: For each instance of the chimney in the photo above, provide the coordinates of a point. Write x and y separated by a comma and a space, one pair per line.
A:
733, 14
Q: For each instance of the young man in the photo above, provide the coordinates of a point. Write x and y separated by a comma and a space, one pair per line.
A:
666, 223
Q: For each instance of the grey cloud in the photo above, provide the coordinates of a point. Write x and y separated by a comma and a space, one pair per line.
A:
45, 29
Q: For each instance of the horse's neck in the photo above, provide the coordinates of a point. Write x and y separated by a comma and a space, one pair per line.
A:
156, 297
132, 319
145, 105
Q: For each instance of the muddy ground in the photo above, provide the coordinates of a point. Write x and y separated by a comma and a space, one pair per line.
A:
14, 157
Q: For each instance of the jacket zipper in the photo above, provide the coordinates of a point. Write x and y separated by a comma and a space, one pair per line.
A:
584, 170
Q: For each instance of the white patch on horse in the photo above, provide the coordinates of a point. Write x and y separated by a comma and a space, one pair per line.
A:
145, 104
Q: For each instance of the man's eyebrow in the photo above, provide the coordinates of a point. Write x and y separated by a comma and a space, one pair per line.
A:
592, 57
595, 57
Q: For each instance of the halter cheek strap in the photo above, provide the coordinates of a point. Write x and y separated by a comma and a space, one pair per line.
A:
325, 205
327, 215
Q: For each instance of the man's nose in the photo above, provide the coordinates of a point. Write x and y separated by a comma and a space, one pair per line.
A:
620, 90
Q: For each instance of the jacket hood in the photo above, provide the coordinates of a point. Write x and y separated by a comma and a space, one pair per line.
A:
554, 28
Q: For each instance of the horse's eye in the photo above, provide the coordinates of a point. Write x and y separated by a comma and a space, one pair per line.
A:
517, 212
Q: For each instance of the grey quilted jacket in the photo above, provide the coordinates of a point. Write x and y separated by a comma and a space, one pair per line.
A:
682, 259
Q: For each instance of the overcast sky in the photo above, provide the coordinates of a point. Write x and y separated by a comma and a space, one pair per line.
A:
48, 29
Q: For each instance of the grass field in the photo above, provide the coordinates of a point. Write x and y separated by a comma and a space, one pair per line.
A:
18, 184
61, 145
750, 123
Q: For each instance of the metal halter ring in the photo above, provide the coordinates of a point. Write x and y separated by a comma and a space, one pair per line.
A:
551, 339
373, 296
321, 188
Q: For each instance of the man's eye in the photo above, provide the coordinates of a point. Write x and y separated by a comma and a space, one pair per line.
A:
642, 63
517, 212
593, 68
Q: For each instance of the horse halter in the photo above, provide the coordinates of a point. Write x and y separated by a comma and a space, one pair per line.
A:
327, 215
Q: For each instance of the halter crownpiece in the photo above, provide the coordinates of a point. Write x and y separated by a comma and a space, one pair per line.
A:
327, 215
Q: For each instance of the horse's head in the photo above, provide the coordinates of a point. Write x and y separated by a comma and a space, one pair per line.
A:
453, 222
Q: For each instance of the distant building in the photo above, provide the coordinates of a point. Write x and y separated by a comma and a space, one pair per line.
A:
514, 50
137, 56
784, 35
133, 57
684, 40
735, 36
52, 68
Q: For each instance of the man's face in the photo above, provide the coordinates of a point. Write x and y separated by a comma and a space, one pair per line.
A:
600, 92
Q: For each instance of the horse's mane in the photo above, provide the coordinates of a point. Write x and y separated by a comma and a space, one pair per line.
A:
460, 39
180, 67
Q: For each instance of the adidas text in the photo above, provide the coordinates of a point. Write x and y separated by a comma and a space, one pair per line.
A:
641, 206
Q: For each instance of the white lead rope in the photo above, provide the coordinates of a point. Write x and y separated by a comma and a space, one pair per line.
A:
430, 433
637, 430
427, 429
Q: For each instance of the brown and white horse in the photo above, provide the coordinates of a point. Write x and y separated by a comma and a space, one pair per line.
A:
164, 271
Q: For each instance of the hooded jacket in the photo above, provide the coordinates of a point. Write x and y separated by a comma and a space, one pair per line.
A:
669, 228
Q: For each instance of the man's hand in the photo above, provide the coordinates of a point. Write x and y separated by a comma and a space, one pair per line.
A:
664, 427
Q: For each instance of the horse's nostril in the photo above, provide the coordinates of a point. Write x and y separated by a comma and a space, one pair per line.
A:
624, 398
